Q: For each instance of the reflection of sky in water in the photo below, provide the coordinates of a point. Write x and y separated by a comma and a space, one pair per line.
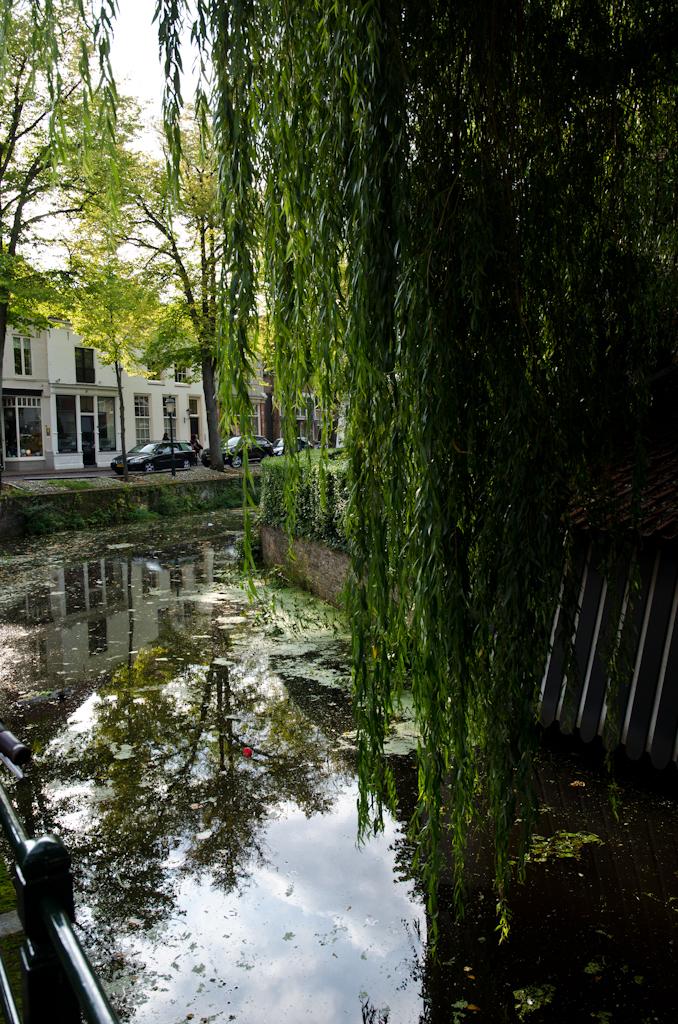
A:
207, 883
289, 942
216, 886
316, 925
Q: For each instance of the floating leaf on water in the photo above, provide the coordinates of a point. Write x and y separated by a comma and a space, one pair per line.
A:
532, 997
562, 844
594, 967
204, 835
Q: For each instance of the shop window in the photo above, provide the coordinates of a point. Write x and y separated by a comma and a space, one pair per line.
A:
84, 365
66, 429
22, 418
23, 365
106, 424
142, 418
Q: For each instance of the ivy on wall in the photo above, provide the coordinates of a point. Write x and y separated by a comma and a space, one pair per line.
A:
320, 499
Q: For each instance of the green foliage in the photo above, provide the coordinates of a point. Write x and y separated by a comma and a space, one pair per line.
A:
320, 499
113, 306
43, 516
466, 214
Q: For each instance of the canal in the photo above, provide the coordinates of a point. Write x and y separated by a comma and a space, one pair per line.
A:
194, 750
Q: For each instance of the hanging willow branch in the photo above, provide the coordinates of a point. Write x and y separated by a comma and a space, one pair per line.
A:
462, 219
463, 224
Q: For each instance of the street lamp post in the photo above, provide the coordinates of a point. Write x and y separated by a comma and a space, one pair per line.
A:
170, 409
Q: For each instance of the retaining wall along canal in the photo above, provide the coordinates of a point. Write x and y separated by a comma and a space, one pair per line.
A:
101, 506
312, 565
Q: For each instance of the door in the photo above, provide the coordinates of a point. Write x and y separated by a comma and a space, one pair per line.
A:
89, 457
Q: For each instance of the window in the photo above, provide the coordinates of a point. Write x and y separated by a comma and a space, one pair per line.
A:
66, 430
84, 365
255, 420
23, 427
155, 371
180, 374
106, 414
22, 357
193, 417
142, 418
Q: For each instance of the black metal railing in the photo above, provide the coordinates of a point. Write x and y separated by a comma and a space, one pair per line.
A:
57, 980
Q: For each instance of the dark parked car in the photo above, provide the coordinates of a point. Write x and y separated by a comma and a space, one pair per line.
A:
302, 442
156, 456
260, 449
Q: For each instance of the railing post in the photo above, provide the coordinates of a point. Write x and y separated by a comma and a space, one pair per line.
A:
43, 869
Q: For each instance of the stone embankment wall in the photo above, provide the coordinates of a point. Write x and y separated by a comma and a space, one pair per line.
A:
104, 506
312, 565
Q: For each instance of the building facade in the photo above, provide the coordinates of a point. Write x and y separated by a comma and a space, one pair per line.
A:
61, 410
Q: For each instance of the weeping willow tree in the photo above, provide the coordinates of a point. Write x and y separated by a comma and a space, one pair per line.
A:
467, 214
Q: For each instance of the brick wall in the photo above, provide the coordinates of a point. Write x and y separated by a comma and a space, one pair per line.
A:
315, 567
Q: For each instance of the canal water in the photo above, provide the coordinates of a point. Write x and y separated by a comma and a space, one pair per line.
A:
214, 886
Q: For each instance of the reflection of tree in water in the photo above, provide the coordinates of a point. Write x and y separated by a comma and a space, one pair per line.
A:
165, 755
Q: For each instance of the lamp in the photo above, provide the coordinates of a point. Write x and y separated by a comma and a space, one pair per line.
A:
170, 409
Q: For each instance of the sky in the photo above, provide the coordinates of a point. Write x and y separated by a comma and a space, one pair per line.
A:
135, 59
134, 53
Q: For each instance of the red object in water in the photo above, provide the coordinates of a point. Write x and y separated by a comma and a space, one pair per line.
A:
247, 752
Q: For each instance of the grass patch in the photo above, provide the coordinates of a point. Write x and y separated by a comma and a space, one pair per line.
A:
73, 485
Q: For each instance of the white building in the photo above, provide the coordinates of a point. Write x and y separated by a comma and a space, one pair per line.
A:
61, 408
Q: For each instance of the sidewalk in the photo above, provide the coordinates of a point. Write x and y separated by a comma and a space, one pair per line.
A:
79, 473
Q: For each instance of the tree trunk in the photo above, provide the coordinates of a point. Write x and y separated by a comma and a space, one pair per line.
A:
208, 366
4, 307
118, 377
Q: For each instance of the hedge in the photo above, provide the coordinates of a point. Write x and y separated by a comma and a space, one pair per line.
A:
315, 516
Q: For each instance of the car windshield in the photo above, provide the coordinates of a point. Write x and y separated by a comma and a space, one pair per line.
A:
145, 449
233, 442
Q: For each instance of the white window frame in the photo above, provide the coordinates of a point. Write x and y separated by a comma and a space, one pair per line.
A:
142, 421
24, 347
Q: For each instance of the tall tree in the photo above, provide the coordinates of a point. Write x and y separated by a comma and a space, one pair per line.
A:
482, 196
180, 231
43, 124
497, 180
115, 311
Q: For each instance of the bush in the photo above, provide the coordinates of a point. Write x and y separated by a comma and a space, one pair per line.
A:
315, 516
